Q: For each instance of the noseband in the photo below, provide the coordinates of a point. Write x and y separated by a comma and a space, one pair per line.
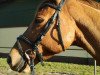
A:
35, 44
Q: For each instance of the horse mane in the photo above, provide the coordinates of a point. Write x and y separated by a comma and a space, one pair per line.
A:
92, 3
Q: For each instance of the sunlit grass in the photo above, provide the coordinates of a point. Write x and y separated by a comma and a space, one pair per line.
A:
55, 68
71, 69
3, 66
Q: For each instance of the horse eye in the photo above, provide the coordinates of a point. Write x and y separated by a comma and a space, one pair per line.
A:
39, 20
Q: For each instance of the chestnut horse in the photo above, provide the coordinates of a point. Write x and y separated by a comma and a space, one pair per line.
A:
58, 24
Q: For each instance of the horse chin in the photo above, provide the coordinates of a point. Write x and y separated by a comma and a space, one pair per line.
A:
24, 69
20, 66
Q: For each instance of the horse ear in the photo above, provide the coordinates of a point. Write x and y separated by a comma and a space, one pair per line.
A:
51, 1
56, 2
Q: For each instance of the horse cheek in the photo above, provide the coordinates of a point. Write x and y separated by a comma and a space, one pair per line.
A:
69, 38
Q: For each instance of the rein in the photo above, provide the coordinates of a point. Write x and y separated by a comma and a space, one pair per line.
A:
35, 44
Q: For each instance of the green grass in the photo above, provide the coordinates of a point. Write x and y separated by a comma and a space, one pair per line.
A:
3, 66
71, 69
53, 67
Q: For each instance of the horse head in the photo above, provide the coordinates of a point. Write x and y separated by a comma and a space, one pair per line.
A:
57, 25
42, 39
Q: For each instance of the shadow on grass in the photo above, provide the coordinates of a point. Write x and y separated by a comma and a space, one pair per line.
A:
3, 55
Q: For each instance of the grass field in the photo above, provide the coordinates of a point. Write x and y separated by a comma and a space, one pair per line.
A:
53, 68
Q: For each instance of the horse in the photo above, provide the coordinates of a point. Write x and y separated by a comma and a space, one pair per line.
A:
57, 25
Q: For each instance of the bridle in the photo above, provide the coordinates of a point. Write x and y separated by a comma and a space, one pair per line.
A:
35, 44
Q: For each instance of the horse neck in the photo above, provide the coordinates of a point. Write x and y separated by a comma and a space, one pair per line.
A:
91, 23
87, 27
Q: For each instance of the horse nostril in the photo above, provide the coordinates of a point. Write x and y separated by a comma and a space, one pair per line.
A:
9, 61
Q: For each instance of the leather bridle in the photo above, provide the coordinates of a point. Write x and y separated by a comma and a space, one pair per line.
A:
35, 44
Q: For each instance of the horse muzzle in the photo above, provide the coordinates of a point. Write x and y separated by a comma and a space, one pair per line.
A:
19, 66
